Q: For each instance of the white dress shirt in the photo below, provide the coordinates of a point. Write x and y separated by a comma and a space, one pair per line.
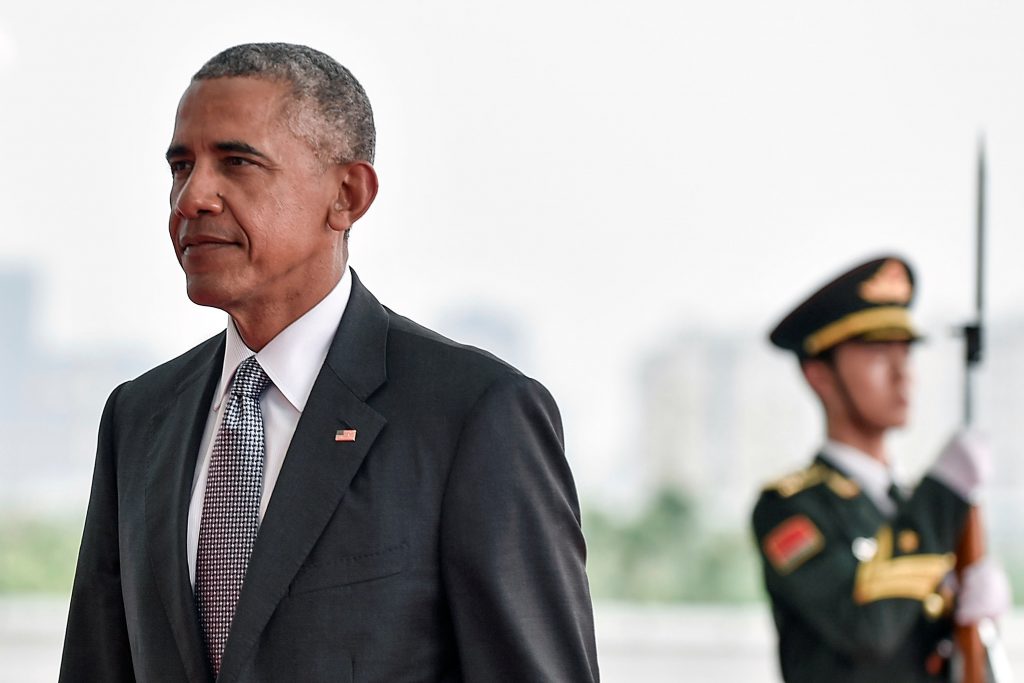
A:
292, 360
873, 476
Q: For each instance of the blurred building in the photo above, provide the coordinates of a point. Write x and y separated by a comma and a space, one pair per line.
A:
51, 404
719, 417
722, 414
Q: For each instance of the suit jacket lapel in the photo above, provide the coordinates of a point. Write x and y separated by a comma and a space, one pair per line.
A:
317, 469
175, 436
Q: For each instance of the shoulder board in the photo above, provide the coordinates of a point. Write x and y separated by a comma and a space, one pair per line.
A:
798, 481
801, 480
841, 486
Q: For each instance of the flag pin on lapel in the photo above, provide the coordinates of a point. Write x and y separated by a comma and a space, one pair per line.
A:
345, 435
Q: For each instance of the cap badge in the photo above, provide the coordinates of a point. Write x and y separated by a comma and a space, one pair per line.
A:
889, 285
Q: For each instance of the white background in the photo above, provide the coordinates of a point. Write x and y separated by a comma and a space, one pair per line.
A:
605, 174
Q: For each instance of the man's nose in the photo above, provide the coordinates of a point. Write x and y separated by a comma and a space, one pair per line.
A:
198, 195
900, 361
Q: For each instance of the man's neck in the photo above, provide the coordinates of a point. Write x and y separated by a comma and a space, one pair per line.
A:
258, 322
871, 442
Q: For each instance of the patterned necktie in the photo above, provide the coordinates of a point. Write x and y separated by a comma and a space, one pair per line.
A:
231, 507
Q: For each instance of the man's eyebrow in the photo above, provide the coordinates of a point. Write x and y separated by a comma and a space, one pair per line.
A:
175, 151
242, 147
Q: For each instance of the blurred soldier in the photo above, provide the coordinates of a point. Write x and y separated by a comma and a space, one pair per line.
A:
859, 570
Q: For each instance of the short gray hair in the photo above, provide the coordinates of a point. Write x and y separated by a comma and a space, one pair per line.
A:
342, 127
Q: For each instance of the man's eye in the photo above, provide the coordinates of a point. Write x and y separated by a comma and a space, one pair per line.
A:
237, 161
179, 167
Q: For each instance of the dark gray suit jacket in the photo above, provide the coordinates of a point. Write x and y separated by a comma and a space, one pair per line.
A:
443, 544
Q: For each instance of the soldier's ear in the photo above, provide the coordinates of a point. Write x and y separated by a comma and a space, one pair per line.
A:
819, 376
357, 187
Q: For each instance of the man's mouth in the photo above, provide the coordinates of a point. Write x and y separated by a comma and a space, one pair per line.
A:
203, 243
204, 246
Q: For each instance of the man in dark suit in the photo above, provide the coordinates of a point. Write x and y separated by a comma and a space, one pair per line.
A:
326, 491
858, 570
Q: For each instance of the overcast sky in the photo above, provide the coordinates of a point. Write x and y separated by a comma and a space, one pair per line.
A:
606, 173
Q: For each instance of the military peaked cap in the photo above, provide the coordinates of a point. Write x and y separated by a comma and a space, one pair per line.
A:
869, 302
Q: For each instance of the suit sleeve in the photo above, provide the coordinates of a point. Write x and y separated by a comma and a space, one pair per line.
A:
96, 644
864, 609
512, 550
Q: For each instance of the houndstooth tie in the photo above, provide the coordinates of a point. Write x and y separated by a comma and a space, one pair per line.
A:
231, 508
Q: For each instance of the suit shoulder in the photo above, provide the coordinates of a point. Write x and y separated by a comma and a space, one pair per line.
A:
424, 343
425, 360
167, 376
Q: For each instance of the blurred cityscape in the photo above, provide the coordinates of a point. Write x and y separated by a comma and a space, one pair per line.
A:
50, 408
719, 413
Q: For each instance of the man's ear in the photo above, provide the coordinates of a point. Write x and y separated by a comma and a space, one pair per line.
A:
357, 187
818, 374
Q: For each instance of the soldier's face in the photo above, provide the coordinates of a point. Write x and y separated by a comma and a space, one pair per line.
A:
877, 378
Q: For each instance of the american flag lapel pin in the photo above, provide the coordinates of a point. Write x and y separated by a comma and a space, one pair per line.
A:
345, 435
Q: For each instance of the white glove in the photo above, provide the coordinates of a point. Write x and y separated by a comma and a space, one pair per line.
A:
984, 593
964, 464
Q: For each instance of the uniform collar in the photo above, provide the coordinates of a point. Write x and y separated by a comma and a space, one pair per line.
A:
873, 476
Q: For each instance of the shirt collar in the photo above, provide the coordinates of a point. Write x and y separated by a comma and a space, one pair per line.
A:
294, 357
873, 477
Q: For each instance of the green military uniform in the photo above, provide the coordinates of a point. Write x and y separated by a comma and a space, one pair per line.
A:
856, 596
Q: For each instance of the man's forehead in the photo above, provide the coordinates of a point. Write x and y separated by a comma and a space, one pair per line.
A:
242, 93
232, 105
238, 114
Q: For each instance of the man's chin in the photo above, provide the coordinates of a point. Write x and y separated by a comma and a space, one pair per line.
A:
883, 423
899, 422
202, 295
